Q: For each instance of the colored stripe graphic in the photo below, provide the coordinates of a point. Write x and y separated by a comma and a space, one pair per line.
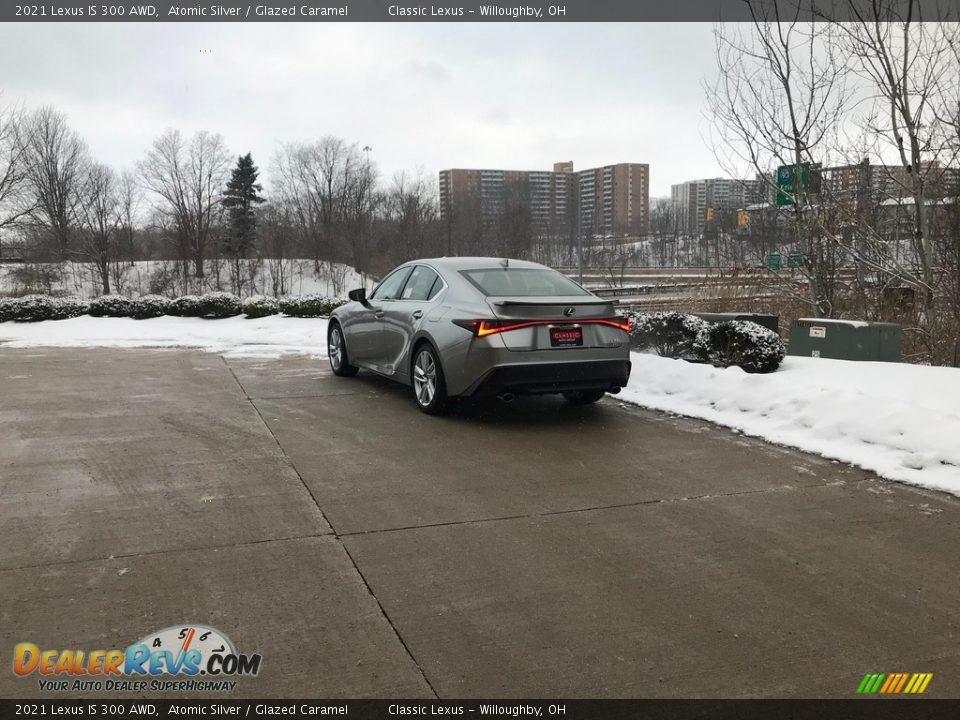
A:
870, 683
894, 683
922, 680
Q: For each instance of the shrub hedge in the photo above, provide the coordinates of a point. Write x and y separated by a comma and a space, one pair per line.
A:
260, 306
185, 306
34, 308
671, 334
219, 305
309, 306
111, 306
149, 306
745, 344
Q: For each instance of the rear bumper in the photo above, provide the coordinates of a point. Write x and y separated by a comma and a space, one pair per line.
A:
542, 378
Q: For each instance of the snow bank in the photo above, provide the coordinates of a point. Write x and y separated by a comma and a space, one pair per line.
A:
900, 421
236, 336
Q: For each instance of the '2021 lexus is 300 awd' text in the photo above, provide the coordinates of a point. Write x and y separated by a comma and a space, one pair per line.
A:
459, 327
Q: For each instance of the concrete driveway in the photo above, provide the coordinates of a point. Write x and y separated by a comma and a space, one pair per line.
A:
532, 549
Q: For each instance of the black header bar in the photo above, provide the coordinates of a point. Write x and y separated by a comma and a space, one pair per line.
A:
441, 10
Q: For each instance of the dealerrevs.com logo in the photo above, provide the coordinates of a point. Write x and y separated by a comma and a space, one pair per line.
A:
178, 658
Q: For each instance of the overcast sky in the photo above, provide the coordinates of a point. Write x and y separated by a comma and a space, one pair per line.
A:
429, 96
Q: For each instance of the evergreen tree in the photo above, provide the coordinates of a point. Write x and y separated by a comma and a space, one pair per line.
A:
240, 198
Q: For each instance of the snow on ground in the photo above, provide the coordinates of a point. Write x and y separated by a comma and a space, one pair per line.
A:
271, 336
900, 421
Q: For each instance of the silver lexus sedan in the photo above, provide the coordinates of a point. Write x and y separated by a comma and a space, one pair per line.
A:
463, 326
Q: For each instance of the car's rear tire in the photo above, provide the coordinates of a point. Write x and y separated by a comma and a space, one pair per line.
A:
337, 352
583, 397
429, 386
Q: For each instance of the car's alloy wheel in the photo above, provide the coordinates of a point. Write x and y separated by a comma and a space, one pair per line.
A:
429, 388
337, 352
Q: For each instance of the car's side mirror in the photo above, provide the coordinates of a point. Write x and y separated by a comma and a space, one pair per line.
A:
359, 295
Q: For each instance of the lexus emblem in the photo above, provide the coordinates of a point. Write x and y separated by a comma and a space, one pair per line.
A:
568, 311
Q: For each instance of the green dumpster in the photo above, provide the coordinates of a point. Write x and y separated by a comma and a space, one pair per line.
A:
771, 322
845, 340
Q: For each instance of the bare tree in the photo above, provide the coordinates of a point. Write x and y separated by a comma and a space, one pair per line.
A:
778, 99
909, 67
320, 182
188, 177
12, 170
54, 158
412, 215
515, 231
99, 220
129, 198
663, 230
363, 201
277, 245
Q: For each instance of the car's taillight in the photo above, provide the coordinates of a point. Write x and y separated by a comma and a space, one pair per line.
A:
621, 322
482, 328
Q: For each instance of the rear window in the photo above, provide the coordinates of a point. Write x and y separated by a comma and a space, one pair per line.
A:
522, 282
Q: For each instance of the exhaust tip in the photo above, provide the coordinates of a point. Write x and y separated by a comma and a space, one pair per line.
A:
506, 397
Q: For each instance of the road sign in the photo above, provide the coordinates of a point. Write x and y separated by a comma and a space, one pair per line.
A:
791, 179
773, 261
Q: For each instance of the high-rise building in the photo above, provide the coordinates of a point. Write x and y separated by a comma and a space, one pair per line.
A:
611, 200
693, 199
488, 195
615, 199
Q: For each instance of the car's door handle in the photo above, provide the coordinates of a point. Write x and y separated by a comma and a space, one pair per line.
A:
417, 314
379, 314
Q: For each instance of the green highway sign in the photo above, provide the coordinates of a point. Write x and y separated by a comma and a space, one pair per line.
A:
790, 179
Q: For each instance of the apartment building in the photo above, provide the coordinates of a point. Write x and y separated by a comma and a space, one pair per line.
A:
692, 199
610, 200
615, 199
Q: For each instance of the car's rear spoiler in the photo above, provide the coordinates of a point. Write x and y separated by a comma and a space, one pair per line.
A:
555, 301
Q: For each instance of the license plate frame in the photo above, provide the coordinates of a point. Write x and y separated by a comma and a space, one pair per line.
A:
564, 336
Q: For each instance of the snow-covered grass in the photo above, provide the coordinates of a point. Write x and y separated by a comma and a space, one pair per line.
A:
270, 336
165, 277
900, 421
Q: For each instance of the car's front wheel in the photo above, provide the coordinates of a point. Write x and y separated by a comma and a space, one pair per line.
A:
429, 387
337, 352
584, 397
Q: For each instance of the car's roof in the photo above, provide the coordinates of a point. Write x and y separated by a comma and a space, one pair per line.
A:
475, 263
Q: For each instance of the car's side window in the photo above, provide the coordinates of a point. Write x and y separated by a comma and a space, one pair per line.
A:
420, 285
390, 288
437, 287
